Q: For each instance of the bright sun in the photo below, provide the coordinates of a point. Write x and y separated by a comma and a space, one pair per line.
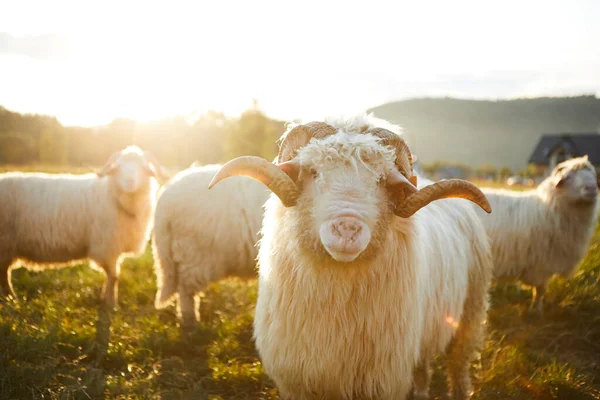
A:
147, 61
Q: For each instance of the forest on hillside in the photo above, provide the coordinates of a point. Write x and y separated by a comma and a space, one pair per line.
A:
212, 138
483, 135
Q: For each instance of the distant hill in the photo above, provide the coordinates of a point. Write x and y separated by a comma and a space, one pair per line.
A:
474, 132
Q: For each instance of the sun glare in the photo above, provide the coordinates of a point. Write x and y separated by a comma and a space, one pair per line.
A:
148, 61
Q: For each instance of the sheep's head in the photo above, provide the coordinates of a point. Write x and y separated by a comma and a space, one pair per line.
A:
576, 180
131, 169
347, 186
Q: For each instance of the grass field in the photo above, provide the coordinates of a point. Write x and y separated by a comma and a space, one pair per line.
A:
56, 343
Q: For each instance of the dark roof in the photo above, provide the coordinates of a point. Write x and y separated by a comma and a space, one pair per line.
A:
578, 144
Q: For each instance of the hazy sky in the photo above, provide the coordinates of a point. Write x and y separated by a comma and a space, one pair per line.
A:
88, 63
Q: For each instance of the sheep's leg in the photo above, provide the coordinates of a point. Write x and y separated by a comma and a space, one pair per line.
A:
110, 290
7, 254
537, 302
467, 341
6, 288
421, 378
462, 351
188, 307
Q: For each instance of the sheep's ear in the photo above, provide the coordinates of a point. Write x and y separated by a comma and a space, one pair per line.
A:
107, 170
291, 169
400, 186
157, 172
155, 168
110, 165
560, 180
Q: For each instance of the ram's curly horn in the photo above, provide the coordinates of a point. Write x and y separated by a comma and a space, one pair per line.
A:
300, 135
275, 175
441, 190
263, 171
404, 157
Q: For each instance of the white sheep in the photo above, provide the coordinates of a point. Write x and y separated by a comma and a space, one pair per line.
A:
543, 232
54, 220
201, 236
356, 294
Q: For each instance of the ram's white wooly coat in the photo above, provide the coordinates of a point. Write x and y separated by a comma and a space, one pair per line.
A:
202, 235
54, 220
353, 300
536, 234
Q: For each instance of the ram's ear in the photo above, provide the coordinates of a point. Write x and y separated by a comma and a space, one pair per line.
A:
291, 169
399, 186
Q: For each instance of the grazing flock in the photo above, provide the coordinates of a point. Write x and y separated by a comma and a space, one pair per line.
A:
366, 270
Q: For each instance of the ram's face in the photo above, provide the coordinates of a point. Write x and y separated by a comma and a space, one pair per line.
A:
344, 201
346, 187
576, 179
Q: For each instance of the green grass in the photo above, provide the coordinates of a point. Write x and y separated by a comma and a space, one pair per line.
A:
56, 343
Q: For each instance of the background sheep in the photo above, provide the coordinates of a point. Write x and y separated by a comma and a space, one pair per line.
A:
202, 236
352, 299
539, 233
51, 220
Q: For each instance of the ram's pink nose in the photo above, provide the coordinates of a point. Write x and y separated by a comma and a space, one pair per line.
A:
345, 237
346, 228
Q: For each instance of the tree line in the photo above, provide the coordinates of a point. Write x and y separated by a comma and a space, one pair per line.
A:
212, 138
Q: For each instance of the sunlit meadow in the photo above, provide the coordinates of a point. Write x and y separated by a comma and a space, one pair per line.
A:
56, 343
